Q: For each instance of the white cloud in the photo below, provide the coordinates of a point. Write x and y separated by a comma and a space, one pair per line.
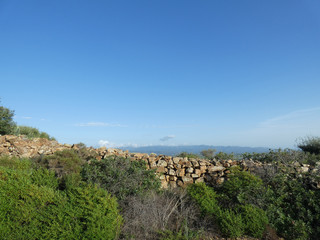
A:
99, 124
105, 143
26, 117
166, 138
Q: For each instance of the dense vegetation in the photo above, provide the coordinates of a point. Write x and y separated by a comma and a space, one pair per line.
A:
33, 207
71, 195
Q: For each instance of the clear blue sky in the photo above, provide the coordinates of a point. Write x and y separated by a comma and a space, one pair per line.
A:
243, 73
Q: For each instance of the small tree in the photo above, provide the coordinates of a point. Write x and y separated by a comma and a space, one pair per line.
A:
209, 154
310, 145
7, 125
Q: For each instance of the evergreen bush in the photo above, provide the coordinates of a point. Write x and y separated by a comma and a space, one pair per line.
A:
120, 176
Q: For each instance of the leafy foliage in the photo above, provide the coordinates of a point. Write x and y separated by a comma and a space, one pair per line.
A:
292, 208
285, 156
120, 176
7, 125
241, 188
206, 197
62, 162
254, 219
188, 155
224, 156
310, 145
231, 223
15, 163
31, 207
209, 154
32, 132
232, 209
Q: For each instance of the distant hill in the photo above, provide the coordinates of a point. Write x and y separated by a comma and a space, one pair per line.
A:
174, 150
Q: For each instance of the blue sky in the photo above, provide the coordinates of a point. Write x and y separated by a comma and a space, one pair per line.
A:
243, 73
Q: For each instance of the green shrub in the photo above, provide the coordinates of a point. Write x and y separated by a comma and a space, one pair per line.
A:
188, 155
85, 153
44, 177
310, 145
182, 234
209, 154
235, 219
21, 204
286, 156
62, 162
31, 209
96, 212
121, 177
231, 223
255, 220
15, 163
224, 156
242, 188
292, 208
32, 132
205, 197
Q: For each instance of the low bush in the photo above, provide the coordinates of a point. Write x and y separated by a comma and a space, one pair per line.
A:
44, 177
15, 163
96, 212
286, 156
293, 209
224, 156
84, 153
232, 209
254, 219
188, 155
230, 223
120, 176
62, 162
310, 145
32, 132
242, 188
32, 208
205, 197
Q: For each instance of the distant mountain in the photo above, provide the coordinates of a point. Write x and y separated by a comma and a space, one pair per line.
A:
174, 150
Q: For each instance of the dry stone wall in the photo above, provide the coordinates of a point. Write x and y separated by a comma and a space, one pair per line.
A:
172, 171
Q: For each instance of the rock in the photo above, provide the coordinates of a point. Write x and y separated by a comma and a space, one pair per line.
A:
172, 172
164, 184
162, 163
173, 178
176, 160
161, 169
189, 170
180, 172
172, 184
216, 169
187, 180
199, 180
